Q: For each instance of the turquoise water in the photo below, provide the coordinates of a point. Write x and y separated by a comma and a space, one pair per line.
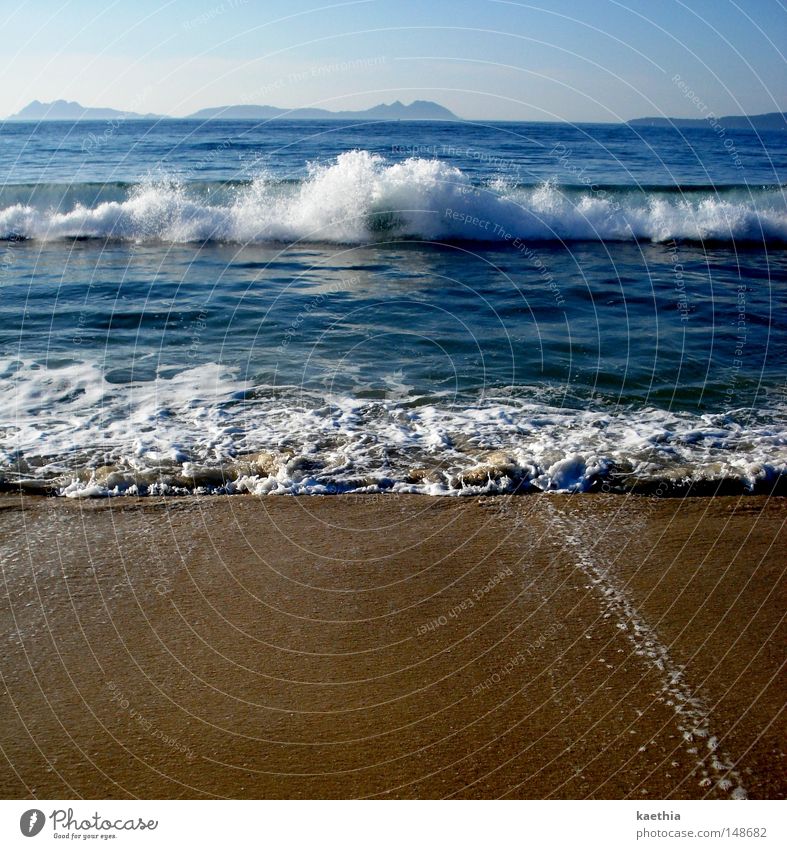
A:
314, 307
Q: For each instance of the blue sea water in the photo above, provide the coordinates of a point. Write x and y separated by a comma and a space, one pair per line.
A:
315, 307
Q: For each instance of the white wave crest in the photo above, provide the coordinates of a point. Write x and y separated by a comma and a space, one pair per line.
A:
360, 198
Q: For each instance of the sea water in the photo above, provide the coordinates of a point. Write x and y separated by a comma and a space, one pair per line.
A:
445, 308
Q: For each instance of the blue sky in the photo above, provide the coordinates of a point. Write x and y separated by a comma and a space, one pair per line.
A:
575, 60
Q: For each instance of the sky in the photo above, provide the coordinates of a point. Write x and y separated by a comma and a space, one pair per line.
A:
573, 60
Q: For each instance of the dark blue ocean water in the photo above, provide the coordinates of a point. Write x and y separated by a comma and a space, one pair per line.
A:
447, 308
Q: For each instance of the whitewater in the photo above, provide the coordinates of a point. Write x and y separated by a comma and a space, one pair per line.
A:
361, 197
202, 429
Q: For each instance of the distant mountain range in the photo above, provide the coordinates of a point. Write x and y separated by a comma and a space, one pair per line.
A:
418, 110
69, 110
768, 121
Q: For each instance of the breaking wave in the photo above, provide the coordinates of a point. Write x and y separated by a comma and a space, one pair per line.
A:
360, 198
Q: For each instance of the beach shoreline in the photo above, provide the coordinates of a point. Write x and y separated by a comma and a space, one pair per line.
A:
347, 646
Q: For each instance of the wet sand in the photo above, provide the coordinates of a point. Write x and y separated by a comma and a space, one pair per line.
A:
535, 647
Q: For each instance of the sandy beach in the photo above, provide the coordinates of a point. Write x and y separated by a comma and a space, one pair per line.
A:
365, 646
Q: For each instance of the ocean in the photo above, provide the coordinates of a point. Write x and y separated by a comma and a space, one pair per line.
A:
317, 307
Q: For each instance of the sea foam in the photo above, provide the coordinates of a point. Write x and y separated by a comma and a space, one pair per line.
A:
360, 198
69, 430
